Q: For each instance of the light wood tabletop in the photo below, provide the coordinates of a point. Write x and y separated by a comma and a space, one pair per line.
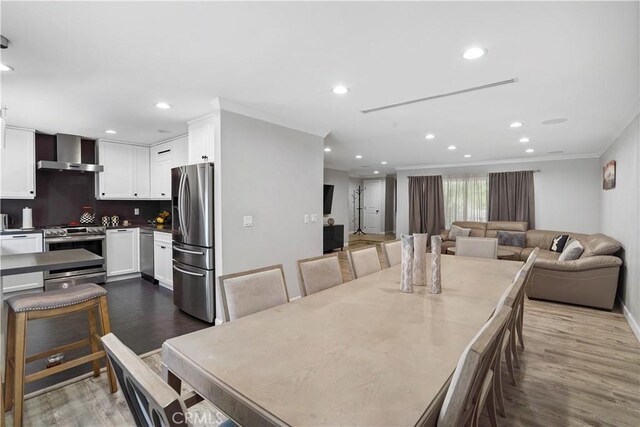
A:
361, 353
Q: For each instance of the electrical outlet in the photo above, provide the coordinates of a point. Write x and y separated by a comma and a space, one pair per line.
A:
306, 219
248, 221
136, 211
314, 217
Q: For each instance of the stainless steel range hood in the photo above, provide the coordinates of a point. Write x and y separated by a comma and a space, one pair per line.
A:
68, 156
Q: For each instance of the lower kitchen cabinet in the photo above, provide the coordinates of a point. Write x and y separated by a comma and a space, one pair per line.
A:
123, 252
21, 244
163, 259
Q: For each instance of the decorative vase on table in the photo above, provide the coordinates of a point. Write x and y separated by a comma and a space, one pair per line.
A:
331, 221
406, 271
419, 260
436, 279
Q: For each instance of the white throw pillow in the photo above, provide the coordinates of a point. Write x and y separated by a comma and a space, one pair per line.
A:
571, 251
458, 232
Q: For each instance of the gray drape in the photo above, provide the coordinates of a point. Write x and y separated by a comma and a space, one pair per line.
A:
511, 197
426, 204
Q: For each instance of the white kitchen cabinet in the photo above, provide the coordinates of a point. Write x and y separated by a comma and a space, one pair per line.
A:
201, 138
123, 251
141, 172
18, 164
161, 164
179, 152
21, 244
163, 259
117, 179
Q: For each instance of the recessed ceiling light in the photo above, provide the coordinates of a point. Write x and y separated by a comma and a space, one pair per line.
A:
358, 156
516, 124
376, 172
466, 156
529, 150
163, 131
429, 136
383, 163
327, 149
340, 90
524, 139
111, 131
474, 52
451, 147
163, 105
4, 67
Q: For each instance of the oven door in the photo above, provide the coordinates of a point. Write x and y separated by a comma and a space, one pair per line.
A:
94, 244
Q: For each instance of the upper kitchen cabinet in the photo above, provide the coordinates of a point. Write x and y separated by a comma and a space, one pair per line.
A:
201, 139
18, 161
126, 171
161, 164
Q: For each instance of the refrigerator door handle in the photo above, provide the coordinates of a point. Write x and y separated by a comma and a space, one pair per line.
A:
187, 204
175, 248
188, 272
181, 203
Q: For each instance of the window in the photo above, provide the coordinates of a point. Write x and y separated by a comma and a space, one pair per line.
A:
465, 198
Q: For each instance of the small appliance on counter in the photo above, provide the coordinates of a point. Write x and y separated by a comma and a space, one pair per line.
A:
87, 217
27, 219
4, 222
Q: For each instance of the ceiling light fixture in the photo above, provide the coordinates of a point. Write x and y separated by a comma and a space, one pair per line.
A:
474, 52
358, 156
429, 136
163, 105
340, 90
524, 139
376, 172
383, 163
4, 67
110, 131
466, 156
529, 150
516, 125
327, 149
451, 147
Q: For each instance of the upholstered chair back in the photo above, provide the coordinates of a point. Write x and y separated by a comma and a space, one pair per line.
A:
392, 252
364, 261
319, 273
478, 247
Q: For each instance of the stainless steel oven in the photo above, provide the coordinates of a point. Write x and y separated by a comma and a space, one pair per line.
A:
91, 238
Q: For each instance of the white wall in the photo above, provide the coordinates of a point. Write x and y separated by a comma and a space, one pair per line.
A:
274, 174
567, 194
340, 207
620, 214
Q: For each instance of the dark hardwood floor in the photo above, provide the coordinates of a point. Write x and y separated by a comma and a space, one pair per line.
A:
142, 316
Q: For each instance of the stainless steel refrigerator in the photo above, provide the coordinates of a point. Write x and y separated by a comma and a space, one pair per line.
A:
192, 231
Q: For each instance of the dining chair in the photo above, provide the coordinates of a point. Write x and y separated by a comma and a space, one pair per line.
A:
392, 252
471, 387
363, 261
527, 269
252, 291
478, 247
319, 273
152, 402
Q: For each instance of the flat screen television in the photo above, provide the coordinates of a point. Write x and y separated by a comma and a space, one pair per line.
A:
328, 199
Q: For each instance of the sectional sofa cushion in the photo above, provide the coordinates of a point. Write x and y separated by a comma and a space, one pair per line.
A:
559, 242
512, 238
572, 251
458, 232
478, 229
599, 244
494, 226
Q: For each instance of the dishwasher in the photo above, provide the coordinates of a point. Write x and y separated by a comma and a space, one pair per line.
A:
146, 255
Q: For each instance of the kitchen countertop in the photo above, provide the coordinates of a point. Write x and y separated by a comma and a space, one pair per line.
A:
11, 231
161, 228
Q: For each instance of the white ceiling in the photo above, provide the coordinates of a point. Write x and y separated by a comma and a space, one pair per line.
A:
83, 67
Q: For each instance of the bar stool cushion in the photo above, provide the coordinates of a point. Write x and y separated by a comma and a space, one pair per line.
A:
56, 299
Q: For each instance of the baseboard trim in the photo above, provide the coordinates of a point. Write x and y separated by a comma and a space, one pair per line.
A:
635, 328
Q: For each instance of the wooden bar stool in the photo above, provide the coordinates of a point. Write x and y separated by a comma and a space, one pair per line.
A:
22, 308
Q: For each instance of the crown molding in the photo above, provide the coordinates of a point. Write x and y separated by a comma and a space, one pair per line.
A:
502, 162
233, 107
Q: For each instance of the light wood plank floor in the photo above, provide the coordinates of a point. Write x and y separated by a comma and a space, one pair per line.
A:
580, 367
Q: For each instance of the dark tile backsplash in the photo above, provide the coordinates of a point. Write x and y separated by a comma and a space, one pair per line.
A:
60, 196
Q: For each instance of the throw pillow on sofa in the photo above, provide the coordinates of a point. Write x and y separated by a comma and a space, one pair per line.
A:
572, 251
512, 238
458, 232
559, 242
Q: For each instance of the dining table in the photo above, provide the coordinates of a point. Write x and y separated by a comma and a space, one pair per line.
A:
359, 354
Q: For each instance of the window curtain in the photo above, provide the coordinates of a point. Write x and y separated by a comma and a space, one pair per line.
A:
511, 197
426, 204
465, 198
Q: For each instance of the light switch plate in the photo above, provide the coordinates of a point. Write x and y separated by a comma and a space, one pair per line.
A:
314, 217
248, 221
306, 219
136, 211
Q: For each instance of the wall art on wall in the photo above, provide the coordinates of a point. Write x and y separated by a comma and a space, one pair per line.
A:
609, 175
